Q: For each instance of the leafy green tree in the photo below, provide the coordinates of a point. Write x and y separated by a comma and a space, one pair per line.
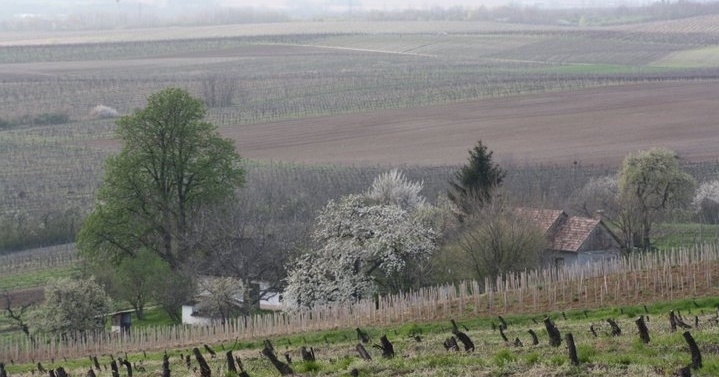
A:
172, 291
73, 307
651, 183
474, 183
172, 164
136, 278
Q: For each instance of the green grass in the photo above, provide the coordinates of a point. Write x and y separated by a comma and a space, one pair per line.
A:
675, 235
705, 57
598, 69
153, 316
604, 355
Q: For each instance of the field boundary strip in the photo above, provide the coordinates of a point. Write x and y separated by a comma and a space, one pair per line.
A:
635, 279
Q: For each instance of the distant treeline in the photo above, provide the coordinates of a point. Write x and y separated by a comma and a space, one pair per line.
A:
294, 193
204, 14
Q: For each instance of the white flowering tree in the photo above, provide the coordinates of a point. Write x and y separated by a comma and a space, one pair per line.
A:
706, 201
599, 194
220, 297
394, 188
73, 307
365, 245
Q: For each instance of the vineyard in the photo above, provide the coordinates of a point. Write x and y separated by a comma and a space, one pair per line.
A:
361, 91
14, 266
319, 110
580, 294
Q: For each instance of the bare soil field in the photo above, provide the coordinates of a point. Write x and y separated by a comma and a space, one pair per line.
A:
264, 29
27, 296
593, 126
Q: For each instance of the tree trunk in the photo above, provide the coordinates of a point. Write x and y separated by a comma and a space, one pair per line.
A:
281, 367
205, 370
115, 371
535, 340
572, 349
646, 230
501, 332
616, 331
386, 347
555, 337
451, 344
694, 349
643, 330
231, 362
165, 366
307, 355
363, 352
128, 366
362, 336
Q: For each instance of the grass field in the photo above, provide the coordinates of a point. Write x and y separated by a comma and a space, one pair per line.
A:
336, 356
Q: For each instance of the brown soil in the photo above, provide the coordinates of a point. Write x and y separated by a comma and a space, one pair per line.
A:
22, 297
592, 126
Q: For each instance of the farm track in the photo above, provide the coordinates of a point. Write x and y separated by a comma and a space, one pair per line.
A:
593, 126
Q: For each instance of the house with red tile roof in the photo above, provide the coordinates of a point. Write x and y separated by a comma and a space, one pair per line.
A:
573, 239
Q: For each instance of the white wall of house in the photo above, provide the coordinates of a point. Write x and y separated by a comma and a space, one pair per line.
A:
271, 301
189, 319
587, 257
567, 258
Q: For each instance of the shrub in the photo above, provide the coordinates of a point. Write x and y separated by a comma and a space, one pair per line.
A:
309, 366
104, 112
706, 202
504, 357
46, 119
5, 124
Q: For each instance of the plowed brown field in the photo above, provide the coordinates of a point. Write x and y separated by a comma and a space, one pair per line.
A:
592, 126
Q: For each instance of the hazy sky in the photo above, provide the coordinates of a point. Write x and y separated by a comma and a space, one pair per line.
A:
289, 4
367, 4
10, 8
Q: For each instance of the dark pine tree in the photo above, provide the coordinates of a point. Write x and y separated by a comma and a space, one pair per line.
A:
474, 183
